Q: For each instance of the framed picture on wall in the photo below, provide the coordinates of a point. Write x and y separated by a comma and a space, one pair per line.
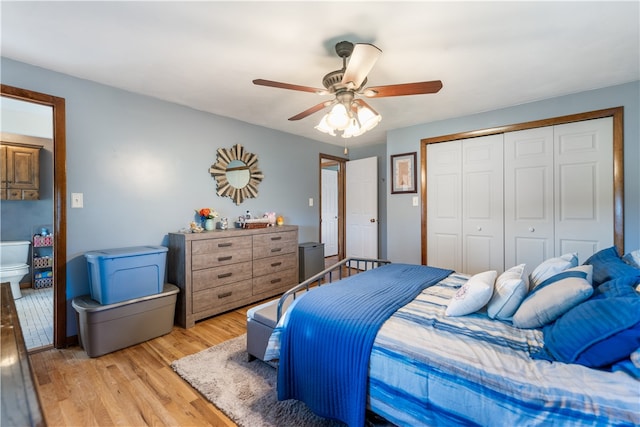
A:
403, 173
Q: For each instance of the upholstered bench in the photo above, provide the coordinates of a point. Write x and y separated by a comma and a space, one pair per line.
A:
261, 320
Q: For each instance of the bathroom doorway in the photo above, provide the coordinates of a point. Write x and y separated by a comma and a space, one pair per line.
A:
332, 205
58, 197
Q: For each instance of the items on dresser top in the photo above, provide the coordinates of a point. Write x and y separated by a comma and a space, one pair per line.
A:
225, 269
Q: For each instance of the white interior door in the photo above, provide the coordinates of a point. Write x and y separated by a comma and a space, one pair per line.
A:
361, 220
444, 210
583, 189
482, 204
330, 211
528, 196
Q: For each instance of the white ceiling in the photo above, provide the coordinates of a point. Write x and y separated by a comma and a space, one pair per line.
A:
205, 55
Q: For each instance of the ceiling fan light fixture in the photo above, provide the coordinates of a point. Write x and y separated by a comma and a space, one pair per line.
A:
323, 126
338, 118
353, 129
368, 118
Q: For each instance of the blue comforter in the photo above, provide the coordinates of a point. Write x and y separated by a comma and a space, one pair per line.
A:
327, 342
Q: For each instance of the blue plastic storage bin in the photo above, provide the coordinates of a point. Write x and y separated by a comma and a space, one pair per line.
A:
121, 274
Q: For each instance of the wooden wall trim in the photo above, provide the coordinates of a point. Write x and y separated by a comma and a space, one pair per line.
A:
618, 163
342, 163
59, 203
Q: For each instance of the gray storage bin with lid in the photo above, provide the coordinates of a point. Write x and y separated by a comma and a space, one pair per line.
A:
107, 328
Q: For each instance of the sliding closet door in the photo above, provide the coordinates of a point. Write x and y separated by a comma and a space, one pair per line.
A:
583, 187
482, 204
444, 210
528, 196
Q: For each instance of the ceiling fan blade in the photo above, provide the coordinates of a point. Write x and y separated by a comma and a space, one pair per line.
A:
364, 104
418, 88
361, 61
271, 83
310, 111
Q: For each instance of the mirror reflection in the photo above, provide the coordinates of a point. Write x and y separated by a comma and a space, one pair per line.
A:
238, 173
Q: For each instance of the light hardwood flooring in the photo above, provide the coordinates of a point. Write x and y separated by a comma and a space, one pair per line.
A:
135, 386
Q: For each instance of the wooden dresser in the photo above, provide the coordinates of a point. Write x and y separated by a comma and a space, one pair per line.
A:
221, 270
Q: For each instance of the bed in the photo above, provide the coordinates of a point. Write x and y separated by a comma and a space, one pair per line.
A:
426, 364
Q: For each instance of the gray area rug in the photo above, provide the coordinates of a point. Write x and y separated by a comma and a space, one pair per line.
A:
244, 391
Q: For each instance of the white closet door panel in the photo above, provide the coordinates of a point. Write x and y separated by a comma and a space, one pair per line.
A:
482, 204
583, 187
361, 216
528, 196
444, 221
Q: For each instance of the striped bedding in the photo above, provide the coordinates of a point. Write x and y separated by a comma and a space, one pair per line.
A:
474, 370
427, 369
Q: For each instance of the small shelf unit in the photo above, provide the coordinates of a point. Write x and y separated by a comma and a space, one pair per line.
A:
42, 260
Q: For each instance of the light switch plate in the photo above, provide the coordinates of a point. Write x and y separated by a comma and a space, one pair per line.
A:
415, 200
310, 201
77, 200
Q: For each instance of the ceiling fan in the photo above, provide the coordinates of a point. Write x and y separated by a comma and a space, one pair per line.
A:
350, 114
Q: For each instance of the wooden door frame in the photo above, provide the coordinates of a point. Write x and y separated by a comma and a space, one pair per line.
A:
59, 204
617, 113
342, 163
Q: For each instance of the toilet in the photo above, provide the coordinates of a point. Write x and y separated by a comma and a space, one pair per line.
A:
13, 267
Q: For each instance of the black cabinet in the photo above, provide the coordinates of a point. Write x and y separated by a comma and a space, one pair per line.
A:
311, 259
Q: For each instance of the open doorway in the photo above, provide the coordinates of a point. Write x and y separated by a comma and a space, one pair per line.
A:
332, 206
58, 228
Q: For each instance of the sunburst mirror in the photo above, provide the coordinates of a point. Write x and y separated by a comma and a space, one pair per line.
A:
236, 173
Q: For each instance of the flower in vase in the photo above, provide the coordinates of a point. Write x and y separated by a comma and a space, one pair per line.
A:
207, 213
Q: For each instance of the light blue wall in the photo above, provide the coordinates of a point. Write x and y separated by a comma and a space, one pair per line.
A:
143, 167
403, 235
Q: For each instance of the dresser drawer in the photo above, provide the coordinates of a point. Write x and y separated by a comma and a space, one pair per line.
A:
216, 252
275, 282
218, 276
273, 264
267, 245
215, 297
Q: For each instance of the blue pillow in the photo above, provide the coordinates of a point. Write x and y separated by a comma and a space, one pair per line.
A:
600, 331
620, 287
612, 349
608, 265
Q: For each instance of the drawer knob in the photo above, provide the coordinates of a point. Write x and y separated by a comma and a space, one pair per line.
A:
276, 281
222, 276
225, 258
276, 264
277, 238
225, 245
276, 249
224, 295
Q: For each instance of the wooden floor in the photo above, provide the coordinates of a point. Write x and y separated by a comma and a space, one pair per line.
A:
134, 386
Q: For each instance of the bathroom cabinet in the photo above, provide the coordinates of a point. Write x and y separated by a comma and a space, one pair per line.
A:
20, 165
222, 270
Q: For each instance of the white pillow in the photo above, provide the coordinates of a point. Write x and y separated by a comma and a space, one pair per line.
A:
473, 295
510, 290
554, 297
551, 267
633, 258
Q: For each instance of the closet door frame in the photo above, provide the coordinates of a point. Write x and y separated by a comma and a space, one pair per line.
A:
617, 113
